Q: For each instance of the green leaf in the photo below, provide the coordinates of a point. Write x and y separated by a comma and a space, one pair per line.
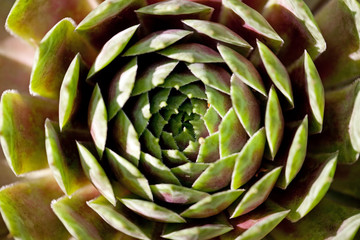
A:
217, 175
95, 173
296, 155
29, 201
63, 159
152, 211
192, 53
212, 205
150, 144
154, 75
159, 100
189, 172
274, 122
177, 80
232, 135
242, 68
257, 193
55, 53
174, 157
112, 49
129, 175
256, 224
121, 87
177, 194
276, 71
157, 171
220, 33
125, 138
211, 75
31, 19
156, 41
140, 113
245, 105
22, 124
122, 219
249, 159
212, 121
254, 20
194, 90
79, 219
219, 100
157, 124
70, 96
97, 120
306, 192
209, 149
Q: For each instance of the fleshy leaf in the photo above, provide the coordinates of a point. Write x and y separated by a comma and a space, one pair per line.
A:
249, 159
277, 72
177, 80
192, 53
211, 75
156, 41
54, 55
242, 68
177, 194
189, 172
112, 49
329, 220
152, 211
232, 135
150, 144
296, 155
107, 19
97, 120
159, 100
96, 174
245, 105
217, 175
157, 171
70, 96
30, 19
254, 23
209, 149
306, 192
212, 205
122, 219
125, 138
341, 132
197, 229
79, 219
174, 157
256, 194
274, 123
154, 75
22, 125
194, 90
219, 100
19, 200
121, 87
63, 159
212, 120
140, 113
129, 175
256, 224
220, 33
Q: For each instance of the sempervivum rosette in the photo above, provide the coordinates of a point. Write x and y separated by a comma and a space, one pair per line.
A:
185, 120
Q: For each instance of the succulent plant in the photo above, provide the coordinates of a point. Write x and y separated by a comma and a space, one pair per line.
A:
177, 119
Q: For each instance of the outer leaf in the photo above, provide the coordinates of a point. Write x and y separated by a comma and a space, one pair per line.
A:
22, 125
58, 47
30, 19
152, 211
19, 200
79, 219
